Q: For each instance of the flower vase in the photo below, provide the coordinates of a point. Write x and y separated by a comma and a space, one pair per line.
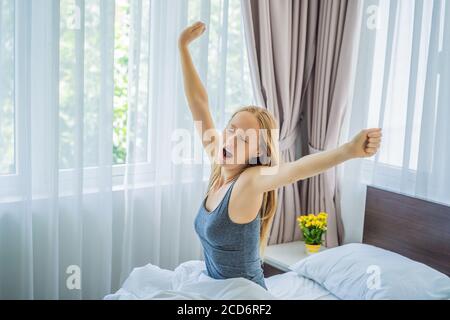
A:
312, 248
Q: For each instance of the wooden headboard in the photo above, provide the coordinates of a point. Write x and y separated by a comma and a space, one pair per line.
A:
414, 228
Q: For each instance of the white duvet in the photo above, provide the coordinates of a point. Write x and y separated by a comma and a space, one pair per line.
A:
190, 281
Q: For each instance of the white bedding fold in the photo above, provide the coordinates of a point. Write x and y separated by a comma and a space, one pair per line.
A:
187, 281
190, 281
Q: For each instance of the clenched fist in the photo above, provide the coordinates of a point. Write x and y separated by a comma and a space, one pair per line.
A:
365, 144
191, 33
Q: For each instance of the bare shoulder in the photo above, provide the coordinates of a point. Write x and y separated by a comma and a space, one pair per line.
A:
260, 179
250, 176
245, 201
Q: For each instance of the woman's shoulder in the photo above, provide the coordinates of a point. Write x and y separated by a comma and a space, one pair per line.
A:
252, 171
247, 181
250, 174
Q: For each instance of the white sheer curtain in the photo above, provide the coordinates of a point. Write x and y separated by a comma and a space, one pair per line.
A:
56, 200
66, 208
160, 209
402, 85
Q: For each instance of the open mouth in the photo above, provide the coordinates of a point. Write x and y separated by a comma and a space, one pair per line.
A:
226, 153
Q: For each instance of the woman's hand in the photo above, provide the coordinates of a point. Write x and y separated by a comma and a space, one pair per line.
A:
191, 33
365, 144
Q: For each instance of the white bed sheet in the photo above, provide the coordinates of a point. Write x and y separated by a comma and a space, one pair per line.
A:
189, 281
291, 286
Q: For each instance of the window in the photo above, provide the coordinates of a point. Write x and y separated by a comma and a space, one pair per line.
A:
222, 63
400, 79
403, 59
121, 50
7, 114
391, 83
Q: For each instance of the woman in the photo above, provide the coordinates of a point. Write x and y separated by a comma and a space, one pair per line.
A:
234, 218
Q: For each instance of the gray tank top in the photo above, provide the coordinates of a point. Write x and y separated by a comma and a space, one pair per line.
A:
231, 250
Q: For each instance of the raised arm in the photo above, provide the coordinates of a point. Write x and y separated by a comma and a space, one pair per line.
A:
195, 92
365, 144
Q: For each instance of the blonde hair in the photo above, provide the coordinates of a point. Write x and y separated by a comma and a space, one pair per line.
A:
269, 203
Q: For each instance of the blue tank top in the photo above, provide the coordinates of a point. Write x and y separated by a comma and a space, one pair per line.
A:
230, 250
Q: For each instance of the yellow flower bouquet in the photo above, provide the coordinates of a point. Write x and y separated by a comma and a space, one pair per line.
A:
313, 228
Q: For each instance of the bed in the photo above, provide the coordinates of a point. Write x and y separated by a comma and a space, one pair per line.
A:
399, 259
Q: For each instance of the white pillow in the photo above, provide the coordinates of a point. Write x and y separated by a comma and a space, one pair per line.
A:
364, 272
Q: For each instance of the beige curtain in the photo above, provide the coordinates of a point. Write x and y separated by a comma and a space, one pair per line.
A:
300, 55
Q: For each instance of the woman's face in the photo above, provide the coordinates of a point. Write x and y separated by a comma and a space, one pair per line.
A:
240, 141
